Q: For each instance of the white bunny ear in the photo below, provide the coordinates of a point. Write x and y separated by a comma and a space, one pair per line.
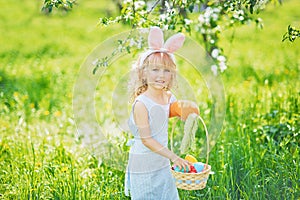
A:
175, 42
155, 38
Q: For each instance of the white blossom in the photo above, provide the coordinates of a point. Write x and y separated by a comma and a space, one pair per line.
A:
167, 5
207, 12
261, 4
165, 27
187, 21
215, 53
239, 14
217, 28
217, 10
214, 69
201, 19
139, 4
203, 31
221, 58
164, 17
215, 16
223, 66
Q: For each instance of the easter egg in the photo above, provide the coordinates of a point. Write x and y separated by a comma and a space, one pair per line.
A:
199, 166
177, 169
190, 158
192, 169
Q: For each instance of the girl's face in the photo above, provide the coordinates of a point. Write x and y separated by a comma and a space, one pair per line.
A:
159, 71
158, 77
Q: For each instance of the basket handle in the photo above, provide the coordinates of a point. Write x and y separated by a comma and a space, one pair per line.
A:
206, 132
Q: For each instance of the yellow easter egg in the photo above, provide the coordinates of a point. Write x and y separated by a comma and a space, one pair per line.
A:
190, 158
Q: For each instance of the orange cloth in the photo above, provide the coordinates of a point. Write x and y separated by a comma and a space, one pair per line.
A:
182, 109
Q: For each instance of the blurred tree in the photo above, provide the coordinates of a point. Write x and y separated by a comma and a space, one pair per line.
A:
208, 18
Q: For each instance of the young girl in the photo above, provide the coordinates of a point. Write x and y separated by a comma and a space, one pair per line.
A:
148, 173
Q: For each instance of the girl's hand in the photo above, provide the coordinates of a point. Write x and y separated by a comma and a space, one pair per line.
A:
182, 164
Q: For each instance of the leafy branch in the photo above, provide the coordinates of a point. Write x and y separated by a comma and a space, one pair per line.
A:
292, 34
131, 44
60, 4
207, 18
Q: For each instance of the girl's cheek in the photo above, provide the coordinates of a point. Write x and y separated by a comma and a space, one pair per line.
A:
168, 74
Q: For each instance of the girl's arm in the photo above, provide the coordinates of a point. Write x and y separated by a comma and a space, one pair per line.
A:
142, 122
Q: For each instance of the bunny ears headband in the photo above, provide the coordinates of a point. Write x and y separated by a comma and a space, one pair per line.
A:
156, 44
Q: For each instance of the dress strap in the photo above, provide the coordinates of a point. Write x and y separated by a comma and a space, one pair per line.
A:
145, 100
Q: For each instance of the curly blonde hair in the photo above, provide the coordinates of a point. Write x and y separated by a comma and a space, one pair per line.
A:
137, 83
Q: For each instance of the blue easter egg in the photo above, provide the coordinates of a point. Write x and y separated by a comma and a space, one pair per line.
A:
177, 169
199, 166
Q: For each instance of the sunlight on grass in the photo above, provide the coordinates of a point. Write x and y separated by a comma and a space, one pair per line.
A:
256, 156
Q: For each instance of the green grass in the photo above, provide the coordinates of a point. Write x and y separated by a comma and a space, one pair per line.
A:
255, 157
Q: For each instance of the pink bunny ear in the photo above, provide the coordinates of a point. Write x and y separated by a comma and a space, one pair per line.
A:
174, 42
155, 38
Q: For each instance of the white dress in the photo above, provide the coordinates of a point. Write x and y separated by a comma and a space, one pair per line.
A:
148, 175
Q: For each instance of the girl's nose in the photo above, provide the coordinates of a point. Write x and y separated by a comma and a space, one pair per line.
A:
161, 73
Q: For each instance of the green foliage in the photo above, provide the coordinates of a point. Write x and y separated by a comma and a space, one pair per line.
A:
206, 18
256, 156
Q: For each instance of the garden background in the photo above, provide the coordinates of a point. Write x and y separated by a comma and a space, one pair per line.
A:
255, 157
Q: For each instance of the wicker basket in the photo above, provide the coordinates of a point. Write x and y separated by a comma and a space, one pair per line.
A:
192, 181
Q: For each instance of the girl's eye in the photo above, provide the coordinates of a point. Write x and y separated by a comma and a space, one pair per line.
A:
167, 70
155, 69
